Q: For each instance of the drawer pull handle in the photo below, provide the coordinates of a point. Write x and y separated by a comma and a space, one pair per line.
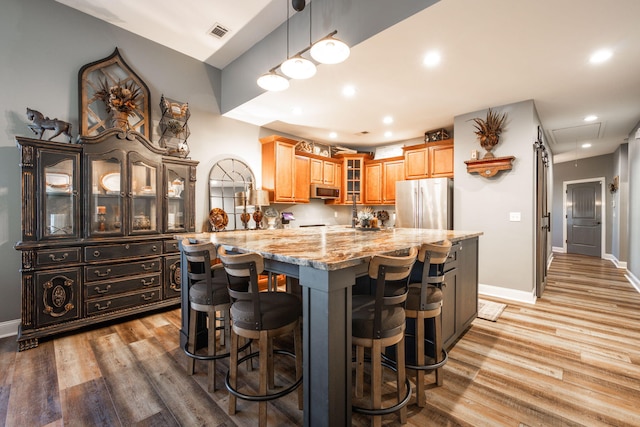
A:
62, 258
155, 248
145, 268
99, 274
126, 246
145, 283
96, 254
149, 297
175, 246
100, 307
102, 291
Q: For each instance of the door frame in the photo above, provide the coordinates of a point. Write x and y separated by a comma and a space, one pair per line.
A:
603, 212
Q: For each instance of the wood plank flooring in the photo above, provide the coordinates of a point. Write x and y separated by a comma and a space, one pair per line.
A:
572, 359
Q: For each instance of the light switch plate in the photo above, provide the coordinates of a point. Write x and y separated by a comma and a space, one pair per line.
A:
514, 216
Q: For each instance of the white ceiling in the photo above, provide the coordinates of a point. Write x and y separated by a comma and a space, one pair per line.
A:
494, 52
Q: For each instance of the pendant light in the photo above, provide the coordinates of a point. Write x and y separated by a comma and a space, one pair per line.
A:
330, 50
273, 82
298, 67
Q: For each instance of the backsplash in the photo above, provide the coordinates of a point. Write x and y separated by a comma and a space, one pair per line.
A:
317, 212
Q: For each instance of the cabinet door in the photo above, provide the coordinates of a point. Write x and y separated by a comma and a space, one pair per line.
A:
57, 296
106, 182
177, 209
143, 191
317, 171
301, 176
59, 175
467, 304
441, 158
416, 163
284, 173
393, 171
353, 180
449, 313
329, 173
373, 183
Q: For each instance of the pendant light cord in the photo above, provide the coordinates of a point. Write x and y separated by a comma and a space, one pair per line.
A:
287, 5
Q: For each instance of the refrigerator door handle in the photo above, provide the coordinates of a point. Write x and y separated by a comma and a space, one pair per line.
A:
422, 199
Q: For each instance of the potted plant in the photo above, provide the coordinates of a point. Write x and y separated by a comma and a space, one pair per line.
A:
488, 130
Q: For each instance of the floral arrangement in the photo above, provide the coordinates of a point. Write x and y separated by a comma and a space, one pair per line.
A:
119, 97
488, 130
365, 215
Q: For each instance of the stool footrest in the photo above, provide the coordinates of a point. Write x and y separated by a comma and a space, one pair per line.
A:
265, 397
387, 363
212, 356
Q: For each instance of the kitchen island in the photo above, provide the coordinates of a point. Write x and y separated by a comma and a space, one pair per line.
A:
327, 260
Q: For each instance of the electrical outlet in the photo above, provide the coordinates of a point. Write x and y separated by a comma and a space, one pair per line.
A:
514, 216
335, 214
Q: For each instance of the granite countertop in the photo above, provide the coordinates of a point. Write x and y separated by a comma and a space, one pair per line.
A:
327, 248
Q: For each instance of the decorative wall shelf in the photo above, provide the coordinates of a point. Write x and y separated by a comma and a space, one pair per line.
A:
489, 167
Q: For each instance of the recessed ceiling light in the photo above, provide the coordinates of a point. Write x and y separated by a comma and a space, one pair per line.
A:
388, 134
333, 135
387, 120
600, 56
590, 118
586, 145
296, 110
431, 59
348, 91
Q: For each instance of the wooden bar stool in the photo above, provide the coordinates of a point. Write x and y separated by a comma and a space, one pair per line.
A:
378, 321
262, 316
208, 294
424, 303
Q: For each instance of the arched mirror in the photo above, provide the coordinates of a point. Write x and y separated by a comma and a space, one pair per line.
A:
227, 178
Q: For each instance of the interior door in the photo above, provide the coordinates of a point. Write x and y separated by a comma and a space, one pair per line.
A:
584, 227
542, 219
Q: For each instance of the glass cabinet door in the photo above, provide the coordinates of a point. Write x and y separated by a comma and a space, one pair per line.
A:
60, 174
144, 189
106, 196
176, 195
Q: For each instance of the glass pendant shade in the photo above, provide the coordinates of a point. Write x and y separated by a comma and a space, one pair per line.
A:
330, 51
273, 82
298, 68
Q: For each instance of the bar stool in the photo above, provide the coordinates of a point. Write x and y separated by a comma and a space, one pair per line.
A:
262, 316
424, 303
208, 294
378, 321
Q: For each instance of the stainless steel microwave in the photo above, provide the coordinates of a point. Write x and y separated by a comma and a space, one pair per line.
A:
322, 191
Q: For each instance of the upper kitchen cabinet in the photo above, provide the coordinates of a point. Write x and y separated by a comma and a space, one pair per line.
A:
353, 177
430, 160
285, 174
380, 178
323, 171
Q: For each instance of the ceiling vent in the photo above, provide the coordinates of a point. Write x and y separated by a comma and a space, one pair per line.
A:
364, 132
218, 31
576, 134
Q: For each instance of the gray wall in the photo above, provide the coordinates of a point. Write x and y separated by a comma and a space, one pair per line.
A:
633, 264
38, 75
582, 169
507, 248
620, 205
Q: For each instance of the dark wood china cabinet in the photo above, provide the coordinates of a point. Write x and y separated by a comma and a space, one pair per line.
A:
98, 219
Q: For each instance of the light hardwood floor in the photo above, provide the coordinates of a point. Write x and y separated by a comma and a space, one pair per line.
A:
572, 359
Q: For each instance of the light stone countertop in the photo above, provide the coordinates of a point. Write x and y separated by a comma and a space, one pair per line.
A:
327, 248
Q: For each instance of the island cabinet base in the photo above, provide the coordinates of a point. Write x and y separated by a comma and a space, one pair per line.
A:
460, 295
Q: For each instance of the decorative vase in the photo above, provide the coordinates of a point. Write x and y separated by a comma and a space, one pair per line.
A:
257, 217
120, 120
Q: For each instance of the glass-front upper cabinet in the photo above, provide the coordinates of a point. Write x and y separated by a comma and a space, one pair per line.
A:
106, 208
59, 172
176, 196
144, 179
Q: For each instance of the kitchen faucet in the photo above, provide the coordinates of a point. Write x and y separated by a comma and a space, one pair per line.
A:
354, 213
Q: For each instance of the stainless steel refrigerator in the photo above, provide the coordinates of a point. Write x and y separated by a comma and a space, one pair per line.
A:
425, 203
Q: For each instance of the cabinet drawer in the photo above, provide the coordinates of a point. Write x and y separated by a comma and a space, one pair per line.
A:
58, 256
171, 246
119, 251
452, 259
111, 287
106, 305
106, 271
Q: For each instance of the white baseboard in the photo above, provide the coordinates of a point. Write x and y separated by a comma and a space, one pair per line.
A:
528, 297
615, 261
558, 249
9, 328
635, 282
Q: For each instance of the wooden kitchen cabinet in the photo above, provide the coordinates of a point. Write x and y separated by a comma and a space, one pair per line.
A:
323, 171
380, 178
430, 160
96, 232
285, 174
352, 177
